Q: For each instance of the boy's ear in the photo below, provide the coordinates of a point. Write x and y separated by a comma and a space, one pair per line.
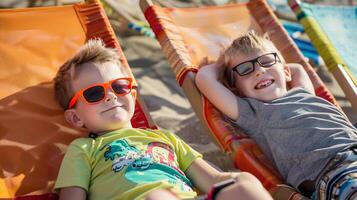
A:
287, 73
229, 74
72, 117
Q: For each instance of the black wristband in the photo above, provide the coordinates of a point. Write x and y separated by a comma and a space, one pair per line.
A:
218, 187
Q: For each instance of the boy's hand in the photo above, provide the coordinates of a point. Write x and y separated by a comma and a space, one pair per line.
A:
210, 81
205, 61
75, 193
215, 68
245, 187
219, 62
299, 77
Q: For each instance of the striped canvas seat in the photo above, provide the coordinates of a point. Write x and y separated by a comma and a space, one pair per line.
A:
188, 35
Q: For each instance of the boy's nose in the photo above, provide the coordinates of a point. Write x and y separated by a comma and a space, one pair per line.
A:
111, 96
259, 70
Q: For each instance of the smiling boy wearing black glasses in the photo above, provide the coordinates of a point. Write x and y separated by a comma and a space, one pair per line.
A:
117, 161
310, 141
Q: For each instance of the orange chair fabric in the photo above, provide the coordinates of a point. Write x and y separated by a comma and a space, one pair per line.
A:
187, 35
34, 42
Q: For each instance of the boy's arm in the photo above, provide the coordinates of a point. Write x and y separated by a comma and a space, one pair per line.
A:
74, 175
204, 175
75, 193
207, 81
299, 77
246, 186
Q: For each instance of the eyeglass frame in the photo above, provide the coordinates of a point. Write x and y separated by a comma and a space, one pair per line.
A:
79, 93
255, 60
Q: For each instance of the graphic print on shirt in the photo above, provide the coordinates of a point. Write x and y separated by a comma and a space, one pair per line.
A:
124, 154
162, 153
156, 164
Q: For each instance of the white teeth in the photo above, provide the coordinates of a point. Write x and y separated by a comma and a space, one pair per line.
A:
263, 84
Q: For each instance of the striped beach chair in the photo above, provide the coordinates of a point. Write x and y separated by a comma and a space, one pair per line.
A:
34, 42
188, 35
332, 30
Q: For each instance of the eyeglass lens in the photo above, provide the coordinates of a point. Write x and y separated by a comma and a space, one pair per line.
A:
264, 60
121, 86
94, 94
97, 93
267, 60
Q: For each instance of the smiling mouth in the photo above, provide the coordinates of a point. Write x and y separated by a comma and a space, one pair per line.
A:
264, 84
112, 108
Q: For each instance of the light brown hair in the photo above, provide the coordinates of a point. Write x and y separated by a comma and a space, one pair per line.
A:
93, 52
247, 43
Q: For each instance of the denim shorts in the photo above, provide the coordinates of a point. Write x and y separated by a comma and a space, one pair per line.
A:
339, 180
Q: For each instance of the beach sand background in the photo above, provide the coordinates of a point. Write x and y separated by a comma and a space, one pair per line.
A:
165, 100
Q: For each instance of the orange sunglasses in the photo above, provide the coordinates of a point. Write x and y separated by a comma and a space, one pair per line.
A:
96, 93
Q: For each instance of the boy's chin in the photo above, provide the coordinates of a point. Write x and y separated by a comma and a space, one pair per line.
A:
272, 96
112, 125
119, 123
117, 118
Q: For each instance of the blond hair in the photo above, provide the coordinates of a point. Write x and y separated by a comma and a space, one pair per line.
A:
93, 52
247, 43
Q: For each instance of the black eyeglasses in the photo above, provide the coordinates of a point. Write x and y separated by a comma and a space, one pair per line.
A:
247, 67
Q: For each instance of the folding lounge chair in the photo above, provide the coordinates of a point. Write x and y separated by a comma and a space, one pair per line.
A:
306, 48
332, 31
187, 35
34, 42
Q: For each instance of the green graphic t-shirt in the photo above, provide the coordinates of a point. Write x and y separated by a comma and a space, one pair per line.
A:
128, 163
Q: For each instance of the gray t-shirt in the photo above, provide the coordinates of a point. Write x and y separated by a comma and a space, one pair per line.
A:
299, 132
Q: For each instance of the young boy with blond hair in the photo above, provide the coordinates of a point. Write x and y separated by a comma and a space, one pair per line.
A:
117, 161
310, 141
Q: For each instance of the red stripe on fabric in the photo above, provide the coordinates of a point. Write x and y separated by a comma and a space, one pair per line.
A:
182, 76
150, 15
230, 138
294, 6
47, 196
139, 119
323, 93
